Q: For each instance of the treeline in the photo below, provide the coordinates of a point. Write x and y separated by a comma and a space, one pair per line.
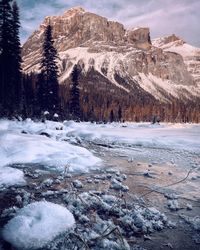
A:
107, 103
79, 98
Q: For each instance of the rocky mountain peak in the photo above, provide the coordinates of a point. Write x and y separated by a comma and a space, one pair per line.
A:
165, 41
73, 11
171, 38
126, 58
77, 27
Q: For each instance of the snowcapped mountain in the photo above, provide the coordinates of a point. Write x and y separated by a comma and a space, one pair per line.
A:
165, 69
190, 54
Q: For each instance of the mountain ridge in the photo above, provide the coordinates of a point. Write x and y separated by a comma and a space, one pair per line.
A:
125, 57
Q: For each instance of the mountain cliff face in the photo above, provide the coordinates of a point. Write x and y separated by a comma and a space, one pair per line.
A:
127, 59
190, 54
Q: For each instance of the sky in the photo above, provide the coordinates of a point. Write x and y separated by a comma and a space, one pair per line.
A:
163, 17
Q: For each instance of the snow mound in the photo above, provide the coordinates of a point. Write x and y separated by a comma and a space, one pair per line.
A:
37, 224
21, 148
10, 177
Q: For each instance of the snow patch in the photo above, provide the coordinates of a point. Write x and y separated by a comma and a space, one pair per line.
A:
10, 177
82, 54
37, 224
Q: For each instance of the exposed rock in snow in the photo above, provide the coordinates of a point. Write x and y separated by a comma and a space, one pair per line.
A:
171, 196
117, 185
77, 184
37, 224
194, 221
173, 205
46, 113
148, 174
9, 212
189, 206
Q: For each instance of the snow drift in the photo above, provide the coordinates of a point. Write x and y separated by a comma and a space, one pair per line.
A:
19, 147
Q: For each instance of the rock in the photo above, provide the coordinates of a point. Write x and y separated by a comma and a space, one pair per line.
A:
18, 199
24, 132
189, 206
45, 134
147, 237
147, 174
47, 183
77, 184
68, 176
115, 184
190, 54
171, 196
194, 178
173, 205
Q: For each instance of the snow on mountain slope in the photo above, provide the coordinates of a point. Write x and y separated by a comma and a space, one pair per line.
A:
190, 54
126, 58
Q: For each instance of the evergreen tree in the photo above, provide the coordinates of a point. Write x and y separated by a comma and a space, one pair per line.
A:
112, 117
28, 103
75, 94
48, 86
16, 58
119, 114
6, 58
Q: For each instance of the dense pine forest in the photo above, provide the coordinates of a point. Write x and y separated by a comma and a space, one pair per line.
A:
40, 95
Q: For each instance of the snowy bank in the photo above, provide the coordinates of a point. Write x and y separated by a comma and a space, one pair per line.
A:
49, 143
167, 135
21, 148
37, 224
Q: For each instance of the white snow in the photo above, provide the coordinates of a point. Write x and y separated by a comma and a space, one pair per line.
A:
20, 148
56, 152
182, 48
151, 83
46, 112
167, 135
37, 224
11, 176
111, 59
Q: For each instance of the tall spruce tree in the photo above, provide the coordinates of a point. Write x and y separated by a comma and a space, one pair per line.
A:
6, 58
48, 86
112, 116
17, 81
119, 114
74, 104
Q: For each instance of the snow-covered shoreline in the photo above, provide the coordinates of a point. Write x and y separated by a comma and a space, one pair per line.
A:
52, 143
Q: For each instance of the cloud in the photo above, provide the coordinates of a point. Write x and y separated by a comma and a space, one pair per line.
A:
180, 17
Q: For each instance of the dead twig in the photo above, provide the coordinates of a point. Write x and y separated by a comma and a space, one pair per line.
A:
105, 235
81, 240
172, 184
